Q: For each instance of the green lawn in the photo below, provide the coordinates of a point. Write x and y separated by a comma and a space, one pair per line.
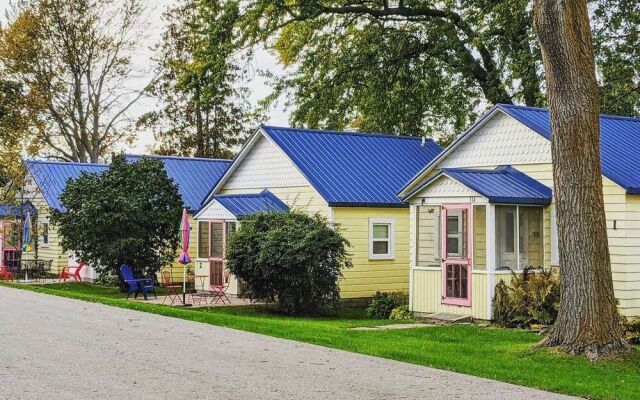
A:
502, 354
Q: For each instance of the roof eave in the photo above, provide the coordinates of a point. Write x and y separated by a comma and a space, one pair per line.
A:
368, 204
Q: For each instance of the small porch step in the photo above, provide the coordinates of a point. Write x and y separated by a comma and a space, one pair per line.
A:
448, 317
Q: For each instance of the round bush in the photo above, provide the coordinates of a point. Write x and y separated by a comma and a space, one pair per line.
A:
291, 259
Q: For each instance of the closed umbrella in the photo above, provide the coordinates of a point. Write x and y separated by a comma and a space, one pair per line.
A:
26, 238
184, 259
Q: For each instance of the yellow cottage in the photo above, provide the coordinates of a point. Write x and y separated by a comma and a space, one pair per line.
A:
484, 208
352, 179
47, 179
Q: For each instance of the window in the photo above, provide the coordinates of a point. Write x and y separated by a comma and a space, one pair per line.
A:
203, 239
381, 233
45, 233
518, 227
230, 228
455, 235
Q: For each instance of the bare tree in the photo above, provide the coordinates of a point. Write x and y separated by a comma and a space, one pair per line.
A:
588, 320
74, 59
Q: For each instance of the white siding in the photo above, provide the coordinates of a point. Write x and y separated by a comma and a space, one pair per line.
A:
500, 141
215, 210
446, 187
266, 166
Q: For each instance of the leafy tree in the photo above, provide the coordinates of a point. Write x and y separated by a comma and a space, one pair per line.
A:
291, 258
73, 59
204, 111
128, 214
416, 67
14, 126
588, 321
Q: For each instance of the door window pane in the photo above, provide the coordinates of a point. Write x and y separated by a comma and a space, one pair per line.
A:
217, 240
456, 228
457, 279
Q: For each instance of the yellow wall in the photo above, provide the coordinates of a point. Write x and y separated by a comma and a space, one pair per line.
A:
368, 276
53, 250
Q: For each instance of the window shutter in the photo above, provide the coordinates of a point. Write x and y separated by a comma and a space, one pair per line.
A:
555, 257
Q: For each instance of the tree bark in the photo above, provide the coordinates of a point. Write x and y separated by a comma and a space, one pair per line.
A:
588, 321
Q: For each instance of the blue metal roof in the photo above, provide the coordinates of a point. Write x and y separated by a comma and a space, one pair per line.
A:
195, 177
242, 205
619, 142
504, 184
51, 177
355, 169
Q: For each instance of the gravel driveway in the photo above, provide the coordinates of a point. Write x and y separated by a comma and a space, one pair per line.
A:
55, 348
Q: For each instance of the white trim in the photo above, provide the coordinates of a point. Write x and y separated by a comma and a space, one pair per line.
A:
490, 245
391, 239
426, 268
332, 217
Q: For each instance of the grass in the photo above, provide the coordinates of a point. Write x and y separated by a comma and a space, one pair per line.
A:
502, 354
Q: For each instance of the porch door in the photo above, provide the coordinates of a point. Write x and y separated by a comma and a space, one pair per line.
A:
216, 252
456, 254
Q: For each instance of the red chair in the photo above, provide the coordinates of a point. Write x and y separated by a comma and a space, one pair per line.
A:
5, 273
172, 289
71, 272
219, 292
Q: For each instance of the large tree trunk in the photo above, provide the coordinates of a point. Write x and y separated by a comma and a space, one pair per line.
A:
588, 321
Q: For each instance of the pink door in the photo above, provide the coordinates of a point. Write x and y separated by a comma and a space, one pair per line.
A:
456, 254
216, 252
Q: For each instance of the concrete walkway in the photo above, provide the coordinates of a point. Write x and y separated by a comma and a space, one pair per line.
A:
55, 348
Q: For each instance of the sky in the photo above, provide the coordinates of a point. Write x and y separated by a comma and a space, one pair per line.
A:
257, 86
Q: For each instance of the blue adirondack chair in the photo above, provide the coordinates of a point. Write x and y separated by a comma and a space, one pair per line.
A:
137, 286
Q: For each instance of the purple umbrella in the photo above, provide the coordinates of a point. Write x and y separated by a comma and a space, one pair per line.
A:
184, 259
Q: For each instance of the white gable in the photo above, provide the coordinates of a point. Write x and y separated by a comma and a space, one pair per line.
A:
502, 140
266, 166
214, 210
446, 187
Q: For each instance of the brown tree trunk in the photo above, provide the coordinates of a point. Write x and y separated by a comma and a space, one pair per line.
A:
588, 321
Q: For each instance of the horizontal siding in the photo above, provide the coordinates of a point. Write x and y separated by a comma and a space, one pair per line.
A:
427, 294
368, 276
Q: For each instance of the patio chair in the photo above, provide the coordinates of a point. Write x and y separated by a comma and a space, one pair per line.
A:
219, 292
5, 273
71, 272
137, 286
172, 289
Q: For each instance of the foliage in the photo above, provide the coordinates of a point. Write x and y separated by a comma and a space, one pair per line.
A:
290, 258
632, 330
73, 60
14, 126
205, 112
128, 214
384, 303
355, 63
529, 298
401, 313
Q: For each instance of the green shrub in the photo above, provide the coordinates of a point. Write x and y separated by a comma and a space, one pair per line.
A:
384, 303
632, 328
290, 259
401, 312
530, 298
